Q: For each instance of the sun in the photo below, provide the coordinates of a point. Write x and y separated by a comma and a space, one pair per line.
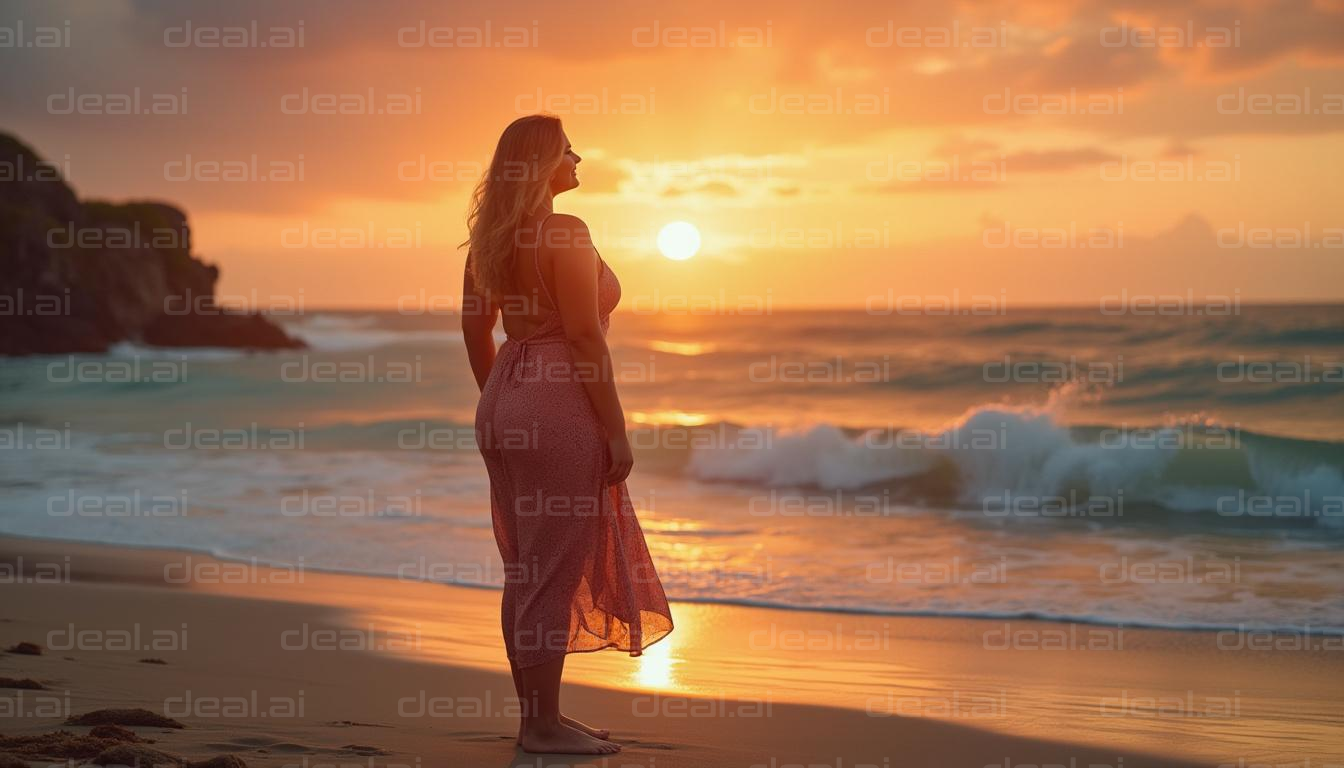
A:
679, 240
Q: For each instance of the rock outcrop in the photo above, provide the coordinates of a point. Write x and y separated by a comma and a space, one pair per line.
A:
78, 276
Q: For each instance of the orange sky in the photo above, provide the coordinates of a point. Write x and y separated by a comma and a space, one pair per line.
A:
828, 153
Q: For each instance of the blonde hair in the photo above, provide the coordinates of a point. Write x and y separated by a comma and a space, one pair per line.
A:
514, 185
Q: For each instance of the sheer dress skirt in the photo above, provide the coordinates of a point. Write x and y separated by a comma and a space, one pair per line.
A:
578, 574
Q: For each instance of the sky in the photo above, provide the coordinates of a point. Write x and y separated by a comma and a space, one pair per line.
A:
835, 154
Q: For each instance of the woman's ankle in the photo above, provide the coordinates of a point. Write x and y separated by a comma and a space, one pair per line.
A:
542, 723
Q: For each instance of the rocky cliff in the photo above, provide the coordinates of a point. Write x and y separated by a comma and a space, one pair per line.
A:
78, 276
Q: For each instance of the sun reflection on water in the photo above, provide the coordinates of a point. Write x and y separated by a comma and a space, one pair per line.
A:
657, 665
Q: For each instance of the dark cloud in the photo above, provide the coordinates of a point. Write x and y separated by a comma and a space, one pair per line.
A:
1179, 94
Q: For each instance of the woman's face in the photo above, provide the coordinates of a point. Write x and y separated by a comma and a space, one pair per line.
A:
566, 176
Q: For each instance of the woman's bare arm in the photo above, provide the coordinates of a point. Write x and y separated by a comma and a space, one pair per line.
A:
576, 268
479, 314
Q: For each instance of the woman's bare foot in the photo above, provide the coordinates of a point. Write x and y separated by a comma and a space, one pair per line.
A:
564, 740
599, 733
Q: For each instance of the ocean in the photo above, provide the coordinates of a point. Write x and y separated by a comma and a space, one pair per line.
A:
1180, 470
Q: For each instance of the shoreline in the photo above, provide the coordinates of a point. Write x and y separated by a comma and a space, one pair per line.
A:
1024, 616
883, 682
1335, 634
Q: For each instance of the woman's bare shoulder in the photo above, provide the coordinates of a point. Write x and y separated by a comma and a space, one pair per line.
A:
565, 221
565, 232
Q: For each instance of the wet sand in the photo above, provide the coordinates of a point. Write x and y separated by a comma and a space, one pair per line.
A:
292, 667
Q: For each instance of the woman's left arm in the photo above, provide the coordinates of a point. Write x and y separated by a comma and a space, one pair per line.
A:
479, 314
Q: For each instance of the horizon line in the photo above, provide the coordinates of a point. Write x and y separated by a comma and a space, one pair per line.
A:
1284, 303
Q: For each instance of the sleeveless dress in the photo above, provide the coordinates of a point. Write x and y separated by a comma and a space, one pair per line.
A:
578, 575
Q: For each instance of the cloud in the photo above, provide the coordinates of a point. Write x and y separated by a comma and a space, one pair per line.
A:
930, 186
1191, 257
1179, 149
955, 146
1233, 40
1055, 160
601, 177
717, 188
1048, 51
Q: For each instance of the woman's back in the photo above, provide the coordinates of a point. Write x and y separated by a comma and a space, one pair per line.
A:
531, 302
535, 299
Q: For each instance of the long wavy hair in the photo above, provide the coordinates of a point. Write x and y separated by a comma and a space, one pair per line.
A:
516, 183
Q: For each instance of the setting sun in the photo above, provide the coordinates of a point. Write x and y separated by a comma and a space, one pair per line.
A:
679, 240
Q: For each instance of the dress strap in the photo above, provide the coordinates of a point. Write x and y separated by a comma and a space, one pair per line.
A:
536, 260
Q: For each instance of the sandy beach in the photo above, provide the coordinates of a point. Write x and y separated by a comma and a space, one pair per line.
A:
290, 667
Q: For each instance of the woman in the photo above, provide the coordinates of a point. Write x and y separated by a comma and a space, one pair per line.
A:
578, 576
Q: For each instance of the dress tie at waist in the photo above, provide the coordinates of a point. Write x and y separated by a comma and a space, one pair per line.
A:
523, 344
